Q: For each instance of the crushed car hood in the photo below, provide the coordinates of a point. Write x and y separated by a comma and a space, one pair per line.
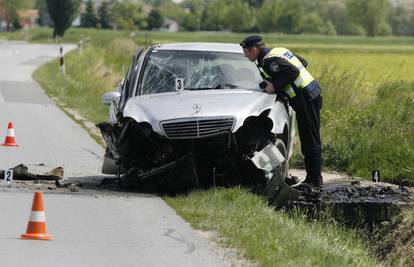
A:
235, 103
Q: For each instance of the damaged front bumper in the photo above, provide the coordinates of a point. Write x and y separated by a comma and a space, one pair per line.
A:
144, 158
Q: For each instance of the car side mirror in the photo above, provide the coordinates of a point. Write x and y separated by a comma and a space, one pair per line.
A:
107, 98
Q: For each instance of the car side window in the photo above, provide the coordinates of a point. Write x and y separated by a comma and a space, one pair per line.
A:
130, 79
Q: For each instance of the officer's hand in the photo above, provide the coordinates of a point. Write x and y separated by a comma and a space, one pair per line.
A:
269, 87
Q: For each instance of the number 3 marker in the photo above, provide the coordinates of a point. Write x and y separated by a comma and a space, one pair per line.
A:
179, 84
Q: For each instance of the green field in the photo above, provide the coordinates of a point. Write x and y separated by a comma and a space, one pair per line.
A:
367, 123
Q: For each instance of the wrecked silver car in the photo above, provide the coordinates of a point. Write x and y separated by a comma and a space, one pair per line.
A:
189, 115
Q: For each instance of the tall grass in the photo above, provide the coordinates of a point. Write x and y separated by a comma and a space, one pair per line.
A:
367, 126
87, 78
395, 241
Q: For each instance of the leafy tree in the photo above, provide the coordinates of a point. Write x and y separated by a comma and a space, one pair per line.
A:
402, 21
194, 6
44, 18
313, 23
128, 15
10, 9
89, 19
62, 13
280, 16
267, 16
192, 18
238, 16
172, 11
103, 14
156, 3
291, 13
254, 3
336, 12
233, 15
371, 15
155, 19
212, 16
190, 21
16, 23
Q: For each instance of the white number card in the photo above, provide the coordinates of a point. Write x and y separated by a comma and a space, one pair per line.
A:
179, 84
8, 176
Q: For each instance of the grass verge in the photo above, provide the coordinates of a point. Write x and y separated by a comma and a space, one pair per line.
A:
268, 237
394, 243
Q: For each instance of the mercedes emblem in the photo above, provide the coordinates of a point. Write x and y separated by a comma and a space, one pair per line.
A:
196, 108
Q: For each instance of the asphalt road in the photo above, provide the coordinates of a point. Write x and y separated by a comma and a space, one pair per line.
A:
45, 135
90, 228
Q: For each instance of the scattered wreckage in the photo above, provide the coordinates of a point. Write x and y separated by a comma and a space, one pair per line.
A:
193, 115
21, 172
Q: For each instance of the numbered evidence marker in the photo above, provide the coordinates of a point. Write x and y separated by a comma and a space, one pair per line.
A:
375, 176
179, 84
8, 176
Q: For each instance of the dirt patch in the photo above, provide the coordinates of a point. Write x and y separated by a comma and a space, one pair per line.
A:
357, 202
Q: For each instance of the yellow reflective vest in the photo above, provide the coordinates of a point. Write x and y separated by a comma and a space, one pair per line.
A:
304, 78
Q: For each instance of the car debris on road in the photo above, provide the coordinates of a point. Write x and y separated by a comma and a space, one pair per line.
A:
21, 172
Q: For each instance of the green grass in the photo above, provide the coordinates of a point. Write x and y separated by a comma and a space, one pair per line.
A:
268, 237
395, 242
87, 78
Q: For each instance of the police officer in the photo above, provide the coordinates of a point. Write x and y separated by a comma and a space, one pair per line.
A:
285, 74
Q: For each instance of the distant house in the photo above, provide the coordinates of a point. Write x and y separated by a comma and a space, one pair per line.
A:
169, 26
28, 18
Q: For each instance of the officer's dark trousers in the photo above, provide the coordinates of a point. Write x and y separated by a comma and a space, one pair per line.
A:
308, 120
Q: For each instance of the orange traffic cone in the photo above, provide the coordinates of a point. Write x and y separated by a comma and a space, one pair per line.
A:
10, 140
36, 229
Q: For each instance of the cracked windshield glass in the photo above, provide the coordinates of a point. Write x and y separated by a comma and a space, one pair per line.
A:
200, 70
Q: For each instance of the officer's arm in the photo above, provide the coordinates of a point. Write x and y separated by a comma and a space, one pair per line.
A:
282, 72
302, 60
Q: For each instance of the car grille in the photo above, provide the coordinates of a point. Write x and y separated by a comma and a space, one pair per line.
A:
197, 127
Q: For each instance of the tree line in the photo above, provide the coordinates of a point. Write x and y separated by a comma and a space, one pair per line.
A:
344, 17
330, 17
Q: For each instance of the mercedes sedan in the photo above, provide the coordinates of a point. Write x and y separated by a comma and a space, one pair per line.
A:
193, 115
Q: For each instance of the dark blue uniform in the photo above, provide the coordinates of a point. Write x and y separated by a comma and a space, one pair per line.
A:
307, 104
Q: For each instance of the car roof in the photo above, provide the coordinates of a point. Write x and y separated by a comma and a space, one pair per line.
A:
215, 47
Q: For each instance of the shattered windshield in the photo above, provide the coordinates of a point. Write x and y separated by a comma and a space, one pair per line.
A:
198, 70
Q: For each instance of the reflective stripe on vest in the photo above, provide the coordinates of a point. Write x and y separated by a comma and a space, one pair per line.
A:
288, 89
304, 78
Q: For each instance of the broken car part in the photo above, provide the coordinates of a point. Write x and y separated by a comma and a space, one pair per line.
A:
20, 172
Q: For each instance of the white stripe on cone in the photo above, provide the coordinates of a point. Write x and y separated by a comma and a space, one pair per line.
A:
10, 132
37, 216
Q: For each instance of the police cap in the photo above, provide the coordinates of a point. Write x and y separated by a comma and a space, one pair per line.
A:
250, 41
